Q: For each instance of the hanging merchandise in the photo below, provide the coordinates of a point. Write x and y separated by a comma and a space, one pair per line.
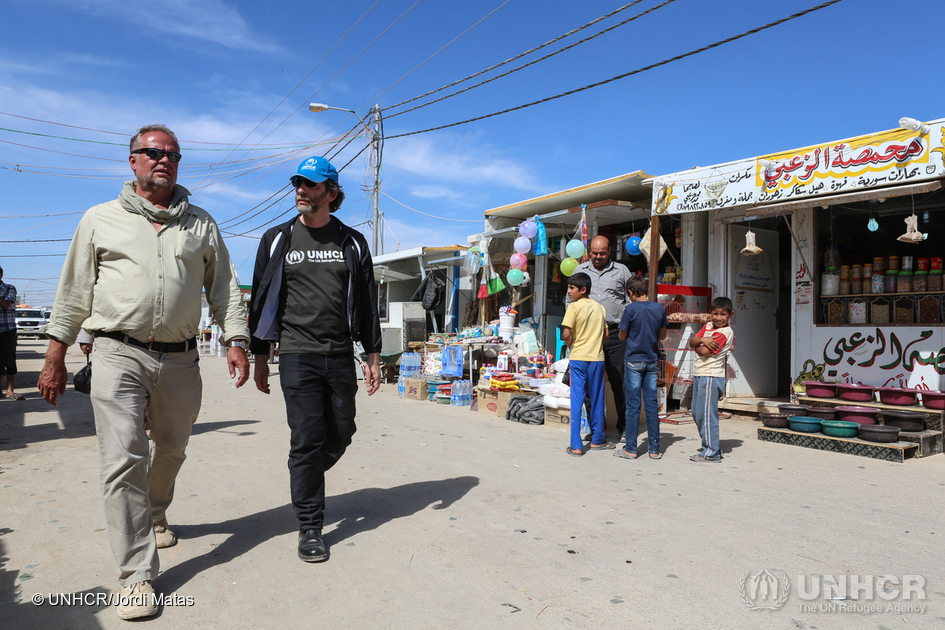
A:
515, 277
581, 233
750, 249
912, 235
493, 280
540, 247
575, 249
518, 261
473, 261
645, 245
528, 229
633, 246
568, 265
522, 245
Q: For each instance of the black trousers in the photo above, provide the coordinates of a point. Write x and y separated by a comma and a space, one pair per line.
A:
319, 392
615, 353
8, 352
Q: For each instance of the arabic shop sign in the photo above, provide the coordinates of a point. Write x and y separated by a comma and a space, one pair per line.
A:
880, 159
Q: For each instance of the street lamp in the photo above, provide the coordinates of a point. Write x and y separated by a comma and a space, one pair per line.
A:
378, 240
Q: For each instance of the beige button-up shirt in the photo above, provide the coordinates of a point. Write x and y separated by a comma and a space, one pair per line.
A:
122, 275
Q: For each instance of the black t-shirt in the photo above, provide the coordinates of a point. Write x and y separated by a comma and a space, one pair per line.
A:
316, 278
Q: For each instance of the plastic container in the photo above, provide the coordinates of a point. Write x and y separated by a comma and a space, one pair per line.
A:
893, 263
867, 272
818, 389
904, 283
878, 282
854, 392
897, 395
922, 264
824, 413
860, 415
879, 433
891, 278
935, 280
905, 420
839, 428
933, 400
879, 264
845, 287
920, 281
804, 424
906, 263
832, 257
856, 272
844, 272
856, 287
774, 420
794, 410
936, 264
830, 282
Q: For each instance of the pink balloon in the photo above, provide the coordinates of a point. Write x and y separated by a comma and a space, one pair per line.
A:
519, 261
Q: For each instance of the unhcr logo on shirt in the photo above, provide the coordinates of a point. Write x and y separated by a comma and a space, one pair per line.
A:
296, 256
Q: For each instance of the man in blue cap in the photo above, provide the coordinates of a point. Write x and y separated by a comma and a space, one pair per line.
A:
314, 293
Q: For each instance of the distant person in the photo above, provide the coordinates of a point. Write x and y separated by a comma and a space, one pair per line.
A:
314, 293
8, 337
133, 277
643, 326
609, 289
713, 343
585, 330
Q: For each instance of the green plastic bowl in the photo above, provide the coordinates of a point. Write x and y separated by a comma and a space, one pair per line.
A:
839, 428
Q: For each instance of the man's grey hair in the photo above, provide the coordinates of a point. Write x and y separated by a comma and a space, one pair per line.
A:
135, 139
334, 204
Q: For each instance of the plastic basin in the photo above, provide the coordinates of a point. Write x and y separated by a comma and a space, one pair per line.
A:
793, 410
804, 424
839, 428
824, 413
879, 433
818, 389
774, 420
905, 420
860, 415
933, 400
897, 395
855, 393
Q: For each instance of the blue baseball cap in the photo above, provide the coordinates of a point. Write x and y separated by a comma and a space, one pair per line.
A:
316, 169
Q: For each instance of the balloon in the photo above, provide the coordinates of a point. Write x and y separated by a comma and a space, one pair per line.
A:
519, 261
575, 248
528, 229
568, 265
515, 277
633, 246
522, 245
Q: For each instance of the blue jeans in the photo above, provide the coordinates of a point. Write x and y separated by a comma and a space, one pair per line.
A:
706, 391
587, 378
641, 377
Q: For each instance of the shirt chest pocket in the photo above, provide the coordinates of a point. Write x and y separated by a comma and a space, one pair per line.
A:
190, 248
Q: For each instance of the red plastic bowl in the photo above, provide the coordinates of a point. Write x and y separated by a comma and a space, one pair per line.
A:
933, 400
897, 395
860, 415
855, 393
818, 389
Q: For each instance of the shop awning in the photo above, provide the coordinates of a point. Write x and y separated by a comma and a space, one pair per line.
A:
850, 197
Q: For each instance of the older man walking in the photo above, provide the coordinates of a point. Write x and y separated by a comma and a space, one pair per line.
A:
313, 291
133, 277
609, 289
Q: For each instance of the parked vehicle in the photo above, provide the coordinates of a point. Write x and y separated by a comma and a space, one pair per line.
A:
30, 322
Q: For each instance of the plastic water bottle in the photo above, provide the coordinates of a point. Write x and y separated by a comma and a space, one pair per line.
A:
454, 393
467, 393
400, 386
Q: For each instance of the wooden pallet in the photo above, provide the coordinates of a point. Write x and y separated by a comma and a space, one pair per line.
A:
892, 452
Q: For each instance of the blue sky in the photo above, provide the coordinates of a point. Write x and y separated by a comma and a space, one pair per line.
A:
234, 79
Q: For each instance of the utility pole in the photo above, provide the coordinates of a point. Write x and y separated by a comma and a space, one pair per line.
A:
378, 246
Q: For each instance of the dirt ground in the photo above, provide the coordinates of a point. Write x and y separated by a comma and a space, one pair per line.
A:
439, 517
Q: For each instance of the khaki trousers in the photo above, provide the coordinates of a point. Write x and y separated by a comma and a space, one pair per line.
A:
130, 384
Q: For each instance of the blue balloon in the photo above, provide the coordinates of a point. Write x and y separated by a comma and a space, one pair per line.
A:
633, 246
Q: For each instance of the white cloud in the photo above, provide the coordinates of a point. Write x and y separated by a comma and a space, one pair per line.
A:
210, 20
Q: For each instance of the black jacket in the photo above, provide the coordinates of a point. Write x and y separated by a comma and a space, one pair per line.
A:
269, 292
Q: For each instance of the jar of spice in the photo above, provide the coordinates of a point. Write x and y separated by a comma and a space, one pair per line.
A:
856, 286
920, 281
844, 272
904, 283
867, 272
935, 280
893, 263
878, 282
937, 264
856, 272
891, 277
830, 282
878, 264
906, 262
844, 286
832, 257
922, 264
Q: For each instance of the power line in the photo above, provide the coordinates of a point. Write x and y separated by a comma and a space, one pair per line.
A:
627, 74
540, 59
429, 215
41, 240
32, 255
519, 56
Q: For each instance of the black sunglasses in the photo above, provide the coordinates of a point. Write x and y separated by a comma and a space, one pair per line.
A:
157, 154
298, 180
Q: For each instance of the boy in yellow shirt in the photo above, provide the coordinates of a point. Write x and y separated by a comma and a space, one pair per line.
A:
584, 330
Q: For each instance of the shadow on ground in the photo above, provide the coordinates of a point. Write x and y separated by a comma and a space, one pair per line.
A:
352, 514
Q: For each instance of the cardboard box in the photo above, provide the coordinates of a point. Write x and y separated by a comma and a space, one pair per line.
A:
488, 401
505, 397
558, 418
415, 389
